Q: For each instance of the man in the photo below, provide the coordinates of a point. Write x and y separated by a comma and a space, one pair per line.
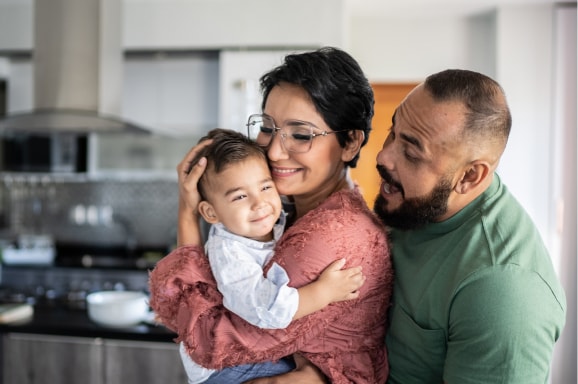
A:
476, 299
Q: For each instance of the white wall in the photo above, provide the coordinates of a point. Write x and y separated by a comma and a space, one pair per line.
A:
515, 45
512, 44
224, 23
565, 185
524, 68
201, 24
392, 50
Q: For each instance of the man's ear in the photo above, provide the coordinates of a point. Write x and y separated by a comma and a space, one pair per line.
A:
352, 147
476, 173
208, 212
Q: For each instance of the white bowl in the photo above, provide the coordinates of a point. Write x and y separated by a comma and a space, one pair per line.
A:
117, 308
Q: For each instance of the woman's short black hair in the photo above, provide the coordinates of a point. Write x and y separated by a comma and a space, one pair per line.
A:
337, 86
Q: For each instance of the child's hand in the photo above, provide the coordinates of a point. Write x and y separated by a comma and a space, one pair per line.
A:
334, 284
341, 284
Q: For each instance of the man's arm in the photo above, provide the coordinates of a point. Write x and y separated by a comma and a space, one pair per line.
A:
503, 326
304, 373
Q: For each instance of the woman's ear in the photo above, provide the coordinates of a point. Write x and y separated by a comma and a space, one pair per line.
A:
476, 174
352, 147
208, 212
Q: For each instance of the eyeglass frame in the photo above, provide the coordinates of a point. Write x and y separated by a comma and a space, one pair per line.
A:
275, 129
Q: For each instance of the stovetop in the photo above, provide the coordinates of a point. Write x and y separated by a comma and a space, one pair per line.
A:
64, 287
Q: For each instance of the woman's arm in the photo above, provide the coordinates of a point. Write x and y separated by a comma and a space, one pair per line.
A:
185, 298
216, 338
189, 231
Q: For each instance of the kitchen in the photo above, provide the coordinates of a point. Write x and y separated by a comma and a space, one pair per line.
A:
166, 43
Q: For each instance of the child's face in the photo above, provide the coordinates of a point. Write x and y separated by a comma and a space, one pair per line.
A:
244, 199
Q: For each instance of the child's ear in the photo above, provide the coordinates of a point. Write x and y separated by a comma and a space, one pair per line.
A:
208, 212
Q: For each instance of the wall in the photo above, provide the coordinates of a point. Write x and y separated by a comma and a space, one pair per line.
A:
404, 49
525, 72
565, 184
222, 24
515, 45
201, 24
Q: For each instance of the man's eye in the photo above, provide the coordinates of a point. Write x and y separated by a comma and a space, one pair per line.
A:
410, 158
266, 131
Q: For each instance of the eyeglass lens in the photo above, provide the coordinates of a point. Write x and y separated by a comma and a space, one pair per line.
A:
296, 136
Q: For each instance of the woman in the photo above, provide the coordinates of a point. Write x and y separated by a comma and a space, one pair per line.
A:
317, 111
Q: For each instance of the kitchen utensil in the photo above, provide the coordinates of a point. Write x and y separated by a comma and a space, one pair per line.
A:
118, 308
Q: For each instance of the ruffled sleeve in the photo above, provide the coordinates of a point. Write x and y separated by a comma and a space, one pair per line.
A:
345, 339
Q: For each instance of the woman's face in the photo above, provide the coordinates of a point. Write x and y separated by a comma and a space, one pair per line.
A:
314, 174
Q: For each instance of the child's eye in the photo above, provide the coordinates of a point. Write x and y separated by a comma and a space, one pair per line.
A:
239, 197
267, 187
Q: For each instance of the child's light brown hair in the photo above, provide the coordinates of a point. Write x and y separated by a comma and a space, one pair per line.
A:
228, 147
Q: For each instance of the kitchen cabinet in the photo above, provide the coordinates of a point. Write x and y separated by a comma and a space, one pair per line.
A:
239, 74
201, 24
139, 362
35, 359
172, 92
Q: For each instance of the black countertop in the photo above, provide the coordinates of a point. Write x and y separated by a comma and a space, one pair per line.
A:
75, 322
57, 315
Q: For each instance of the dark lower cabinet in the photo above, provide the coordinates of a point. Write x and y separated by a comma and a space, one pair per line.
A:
36, 359
142, 362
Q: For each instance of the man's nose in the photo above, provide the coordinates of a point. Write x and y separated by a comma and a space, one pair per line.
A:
385, 157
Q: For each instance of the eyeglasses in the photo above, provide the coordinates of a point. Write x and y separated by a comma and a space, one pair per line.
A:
296, 135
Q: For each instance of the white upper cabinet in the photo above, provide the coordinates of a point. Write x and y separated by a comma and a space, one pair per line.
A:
174, 94
239, 74
216, 24
202, 24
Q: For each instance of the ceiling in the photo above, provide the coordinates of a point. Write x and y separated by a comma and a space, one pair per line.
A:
412, 8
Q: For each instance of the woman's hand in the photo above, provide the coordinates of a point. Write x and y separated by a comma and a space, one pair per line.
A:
304, 373
189, 198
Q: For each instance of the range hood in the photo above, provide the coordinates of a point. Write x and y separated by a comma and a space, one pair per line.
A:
78, 70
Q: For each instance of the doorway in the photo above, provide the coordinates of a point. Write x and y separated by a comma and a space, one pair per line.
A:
387, 98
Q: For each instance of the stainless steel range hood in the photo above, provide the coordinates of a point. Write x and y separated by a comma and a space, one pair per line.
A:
78, 70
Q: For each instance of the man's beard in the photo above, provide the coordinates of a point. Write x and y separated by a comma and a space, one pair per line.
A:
415, 212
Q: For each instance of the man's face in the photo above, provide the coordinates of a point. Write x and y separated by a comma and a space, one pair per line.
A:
420, 161
416, 211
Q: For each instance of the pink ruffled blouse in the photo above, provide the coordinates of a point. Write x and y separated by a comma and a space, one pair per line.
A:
345, 339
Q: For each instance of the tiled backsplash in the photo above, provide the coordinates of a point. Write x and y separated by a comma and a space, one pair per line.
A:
101, 213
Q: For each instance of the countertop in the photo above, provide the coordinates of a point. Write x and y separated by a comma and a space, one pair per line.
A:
75, 322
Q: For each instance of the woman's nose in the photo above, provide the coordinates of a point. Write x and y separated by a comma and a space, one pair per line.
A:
276, 150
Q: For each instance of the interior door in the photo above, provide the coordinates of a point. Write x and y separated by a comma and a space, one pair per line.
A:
387, 98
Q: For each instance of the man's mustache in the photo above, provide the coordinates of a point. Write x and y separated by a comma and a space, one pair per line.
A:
385, 175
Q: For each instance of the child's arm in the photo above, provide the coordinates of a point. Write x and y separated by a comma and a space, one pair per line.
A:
334, 284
